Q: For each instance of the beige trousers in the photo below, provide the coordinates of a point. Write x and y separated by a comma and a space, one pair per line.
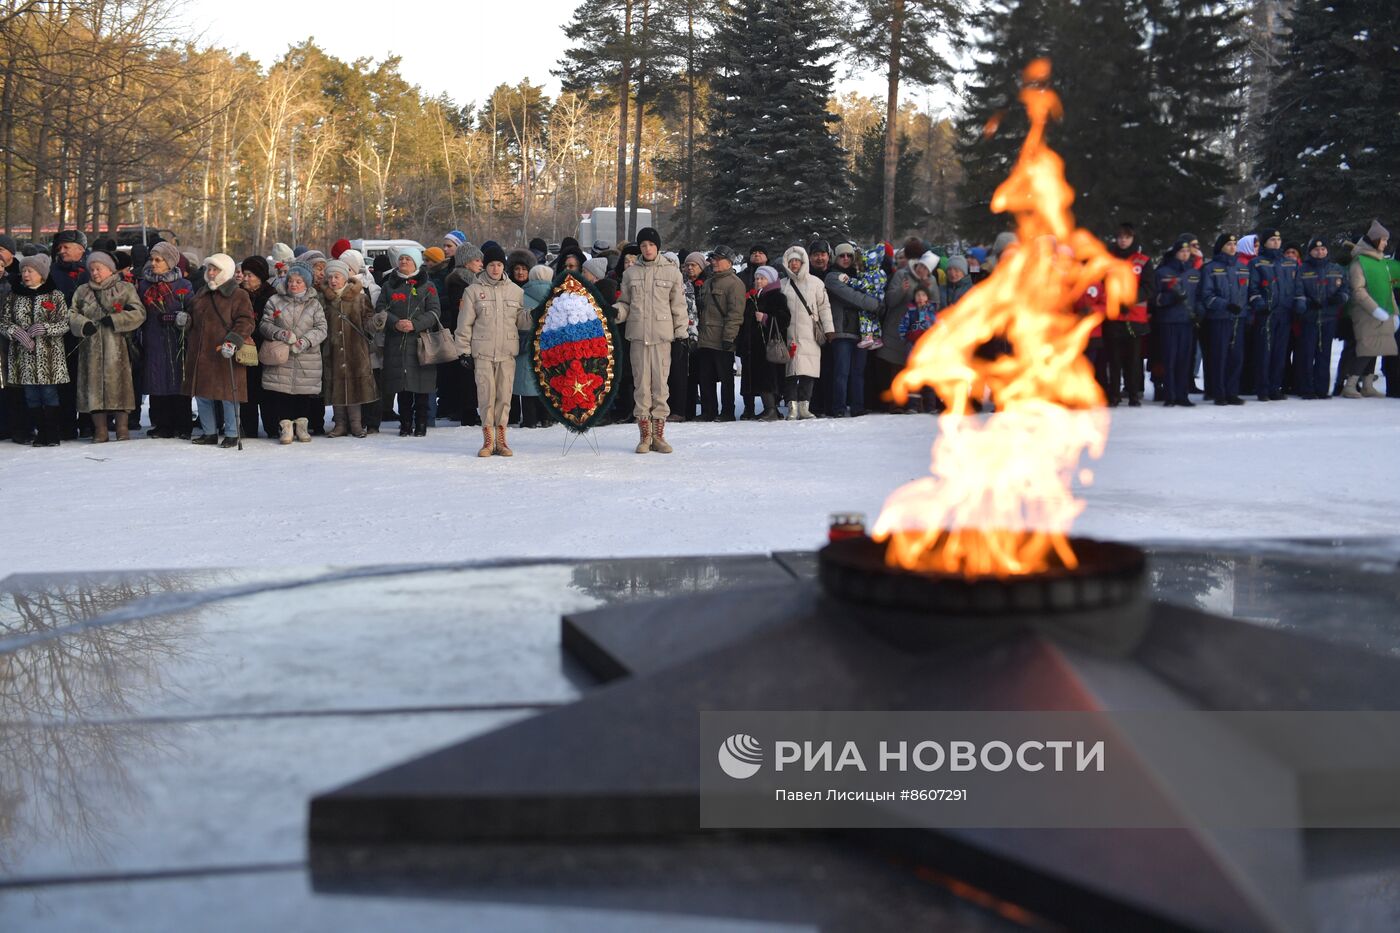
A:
651, 368
493, 384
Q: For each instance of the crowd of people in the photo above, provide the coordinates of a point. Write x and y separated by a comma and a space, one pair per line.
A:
218, 350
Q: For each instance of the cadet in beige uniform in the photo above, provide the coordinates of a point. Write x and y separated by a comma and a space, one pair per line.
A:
652, 305
488, 336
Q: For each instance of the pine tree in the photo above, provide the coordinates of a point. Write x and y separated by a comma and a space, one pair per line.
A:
1332, 133
776, 172
1146, 92
867, 215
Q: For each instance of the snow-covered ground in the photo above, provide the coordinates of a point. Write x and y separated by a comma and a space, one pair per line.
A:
1290, 468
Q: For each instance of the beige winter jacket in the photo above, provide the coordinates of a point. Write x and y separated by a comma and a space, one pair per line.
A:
1373, 337
493, 315
653, 302
807, 318
306, 320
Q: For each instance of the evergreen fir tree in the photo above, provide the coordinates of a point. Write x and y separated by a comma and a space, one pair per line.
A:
867, 215
1332, 133
1143, 113
775, 170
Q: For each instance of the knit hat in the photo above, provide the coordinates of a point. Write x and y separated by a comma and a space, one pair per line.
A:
649, 235
354, 259
256, 265
1377, 233
223, 270
1268, 233
1221, 240
103, 259
818, 246
539, 247
340, 246
434, 255
39, 262
302, 271
456, 236
768, 272
697, 258
1182, 241
597, 267
928, 260
978, 253
8, 244
412, 252
168, 252
298, 250
568, 242
70, 236
337, 265
468, 253
492, 252
312, 256
761, 248
542, 273
959, 263
281, 252
845, 249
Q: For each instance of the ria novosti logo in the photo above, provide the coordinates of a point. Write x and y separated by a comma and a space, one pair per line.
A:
740, 756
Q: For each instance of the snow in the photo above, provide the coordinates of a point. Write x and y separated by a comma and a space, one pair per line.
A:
1290, 468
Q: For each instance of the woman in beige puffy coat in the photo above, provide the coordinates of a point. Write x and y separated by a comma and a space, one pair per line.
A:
292, 389
811, 313
104, 311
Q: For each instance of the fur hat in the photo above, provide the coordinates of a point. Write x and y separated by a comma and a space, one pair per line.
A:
337, 265
492, 252
1377, 233
340, 246
99, 257
223, 266
39, 262
256, 265
468, 253
649, 235
70, 236
542, 273
281, 252
456, 236
302, 271
521, 257
354, 259
697, 258
168, 252
597, 267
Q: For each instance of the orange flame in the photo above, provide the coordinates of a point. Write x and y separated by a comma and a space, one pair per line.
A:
1000, 500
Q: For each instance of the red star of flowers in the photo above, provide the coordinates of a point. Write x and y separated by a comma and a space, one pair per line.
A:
576, 387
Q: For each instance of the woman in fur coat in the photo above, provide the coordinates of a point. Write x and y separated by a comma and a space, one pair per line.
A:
35, 319
104, 311
346, 376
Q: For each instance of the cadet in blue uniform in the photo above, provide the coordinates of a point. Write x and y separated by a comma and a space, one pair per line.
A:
1223, 298
1274, 299
1325, 291
1178, 282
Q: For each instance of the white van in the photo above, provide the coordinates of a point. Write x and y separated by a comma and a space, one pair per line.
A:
372, 248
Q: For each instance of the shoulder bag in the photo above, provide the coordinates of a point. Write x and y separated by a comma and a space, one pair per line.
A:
438, 345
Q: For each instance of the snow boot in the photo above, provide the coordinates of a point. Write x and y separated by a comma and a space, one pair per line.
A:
286, 435
357, 422
123, 426
502, 448
770, 408
658, 437
644, 444
303, 436
1349, 387
1368, 387
99, 427
488, 442
338, 423
804, 411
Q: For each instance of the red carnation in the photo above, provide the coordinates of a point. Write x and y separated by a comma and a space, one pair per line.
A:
399, 296
47, 305
73, 274
182, 291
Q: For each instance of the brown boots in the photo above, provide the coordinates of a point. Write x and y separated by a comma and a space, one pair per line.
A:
99, 427
123, 432
658, 437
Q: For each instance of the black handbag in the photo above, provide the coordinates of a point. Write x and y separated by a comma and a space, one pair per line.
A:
775, 345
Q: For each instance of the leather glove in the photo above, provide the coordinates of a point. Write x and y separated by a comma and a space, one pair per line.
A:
1233, 308
727, 346
106, 321
89, 328
227, 350
466, 361
182, 319
1380, 314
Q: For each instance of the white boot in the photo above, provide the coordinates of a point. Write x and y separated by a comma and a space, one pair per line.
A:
804, 411
286, 436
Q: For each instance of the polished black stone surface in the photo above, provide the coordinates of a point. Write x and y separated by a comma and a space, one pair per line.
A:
161, 734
